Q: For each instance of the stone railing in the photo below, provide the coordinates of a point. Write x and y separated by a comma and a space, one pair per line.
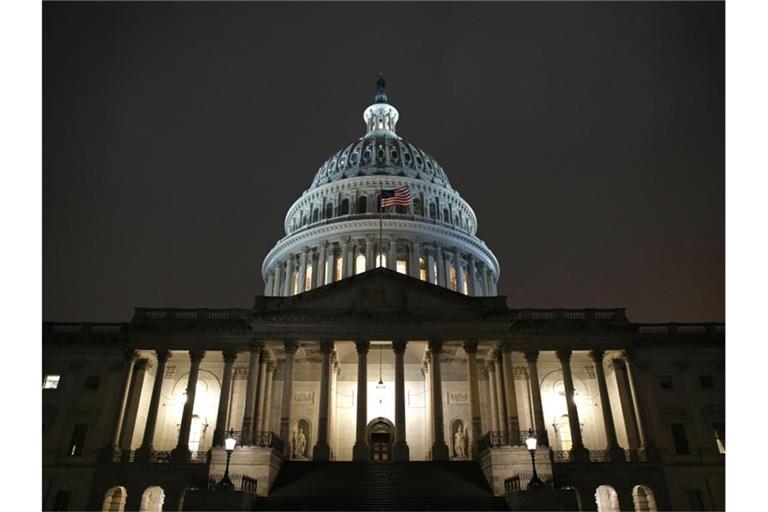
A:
241, 482
262, 439
636, 455
174, 314
83, 328
493, 439
520, 481
674, 328
618, 314
599, 456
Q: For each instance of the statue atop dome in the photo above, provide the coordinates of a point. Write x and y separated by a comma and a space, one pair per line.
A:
381, 96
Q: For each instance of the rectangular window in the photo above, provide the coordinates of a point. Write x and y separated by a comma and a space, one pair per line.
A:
51, 381
666, 383
402, 266
706, 382
719, 428
680, 439
92, 382
62, 500
77, 441
338, 273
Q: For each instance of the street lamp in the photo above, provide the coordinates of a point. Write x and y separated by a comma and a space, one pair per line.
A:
531, 442
229, 445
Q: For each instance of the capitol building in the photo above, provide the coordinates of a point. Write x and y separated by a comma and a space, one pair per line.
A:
380, 370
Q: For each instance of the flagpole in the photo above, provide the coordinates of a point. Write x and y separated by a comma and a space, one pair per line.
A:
381, 226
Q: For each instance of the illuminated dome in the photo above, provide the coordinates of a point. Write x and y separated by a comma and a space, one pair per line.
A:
332, 230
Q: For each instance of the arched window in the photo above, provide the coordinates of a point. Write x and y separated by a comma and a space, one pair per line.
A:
360, 264
362, 204
114, 500
446, 215
152, 499
381, 260
315, 215
644, 499
199, 424
344, 207
328, 211
456, 220
308, 278
304, 220
417, 207
422, 269
607, 500
402, 266
402, 209
338, 270
432, 211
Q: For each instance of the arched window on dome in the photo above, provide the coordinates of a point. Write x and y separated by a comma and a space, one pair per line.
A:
417, 207
432, 211
401, 209
315, 215
360, 264
304, 219
452, 281
422, 269
456, 221
344, 207
328, 210
362, 204
446, 215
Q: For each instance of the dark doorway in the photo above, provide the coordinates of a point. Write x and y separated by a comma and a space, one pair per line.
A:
381, 434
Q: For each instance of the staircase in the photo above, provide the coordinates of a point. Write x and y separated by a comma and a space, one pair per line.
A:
392, 486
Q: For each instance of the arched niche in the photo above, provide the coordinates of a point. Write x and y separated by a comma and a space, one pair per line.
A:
459, 439
644, 499
607, 499
301, 438
152, 499
114, 499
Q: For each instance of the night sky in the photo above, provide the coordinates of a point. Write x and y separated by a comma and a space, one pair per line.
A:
588, 138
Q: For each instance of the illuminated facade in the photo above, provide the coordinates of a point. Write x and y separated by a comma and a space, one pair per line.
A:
345, 360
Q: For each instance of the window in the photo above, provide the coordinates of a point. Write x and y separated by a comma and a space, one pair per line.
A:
344, 207
402, 209
338, 271
719, 428
381, 260
446, 215
453, 282
422, 269
77, 441
295, 283
62, 500
315, 215
432, 211
92, 382
417, 209
328, 211
362, 204
402, 266
706, 382
51, 381
360, 264
680, 439
308, 278
666, 382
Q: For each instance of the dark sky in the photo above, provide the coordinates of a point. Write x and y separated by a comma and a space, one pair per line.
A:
588, 138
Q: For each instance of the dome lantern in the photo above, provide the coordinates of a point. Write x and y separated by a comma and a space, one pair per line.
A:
381, 117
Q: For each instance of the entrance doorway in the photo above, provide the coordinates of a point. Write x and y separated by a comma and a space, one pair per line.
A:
381, 434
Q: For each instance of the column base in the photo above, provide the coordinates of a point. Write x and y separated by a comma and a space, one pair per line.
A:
616, 454
401, 452
180, 454
579, 454
143, 454
321, 452
361, 452
440, 452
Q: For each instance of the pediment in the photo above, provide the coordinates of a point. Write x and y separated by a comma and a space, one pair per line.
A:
380, 292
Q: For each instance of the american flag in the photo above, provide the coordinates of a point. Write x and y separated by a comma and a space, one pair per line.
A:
398, 196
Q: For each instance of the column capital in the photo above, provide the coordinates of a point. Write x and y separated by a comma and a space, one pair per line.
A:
436, 346
490, 367
196, 355
497, 356
398, 346
326, 346
141, 364
628, 355
564, 355
256, 345
271, 366
130, 355
532, 356
291, 346
470, 346
230, 356
163, 355
597, 355
504, 346
362, 346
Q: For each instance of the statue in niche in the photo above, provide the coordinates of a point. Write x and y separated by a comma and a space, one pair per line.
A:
460, 442
300, 445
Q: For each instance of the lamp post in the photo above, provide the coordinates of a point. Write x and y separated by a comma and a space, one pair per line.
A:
229, 445
531, 442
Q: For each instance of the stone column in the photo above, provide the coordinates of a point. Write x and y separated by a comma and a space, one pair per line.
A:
470, 347
144, 452
615, 451
270, 284
392, 259
345, 263
319, 273
400, 450
132, 405
370, 258
288, 288
472, 277
291, 346
322, 450
251, 390
260, 395
501, 397
181, 453
332, 402
276, 281
542, 436
427, 399
459, 272
431, 275
510, 393
491, 369
578, 452
442, 279
303, 270
330, 263
413, 262
128, 364
265, 414
634, 388
226, 392
360, 449
439, 448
